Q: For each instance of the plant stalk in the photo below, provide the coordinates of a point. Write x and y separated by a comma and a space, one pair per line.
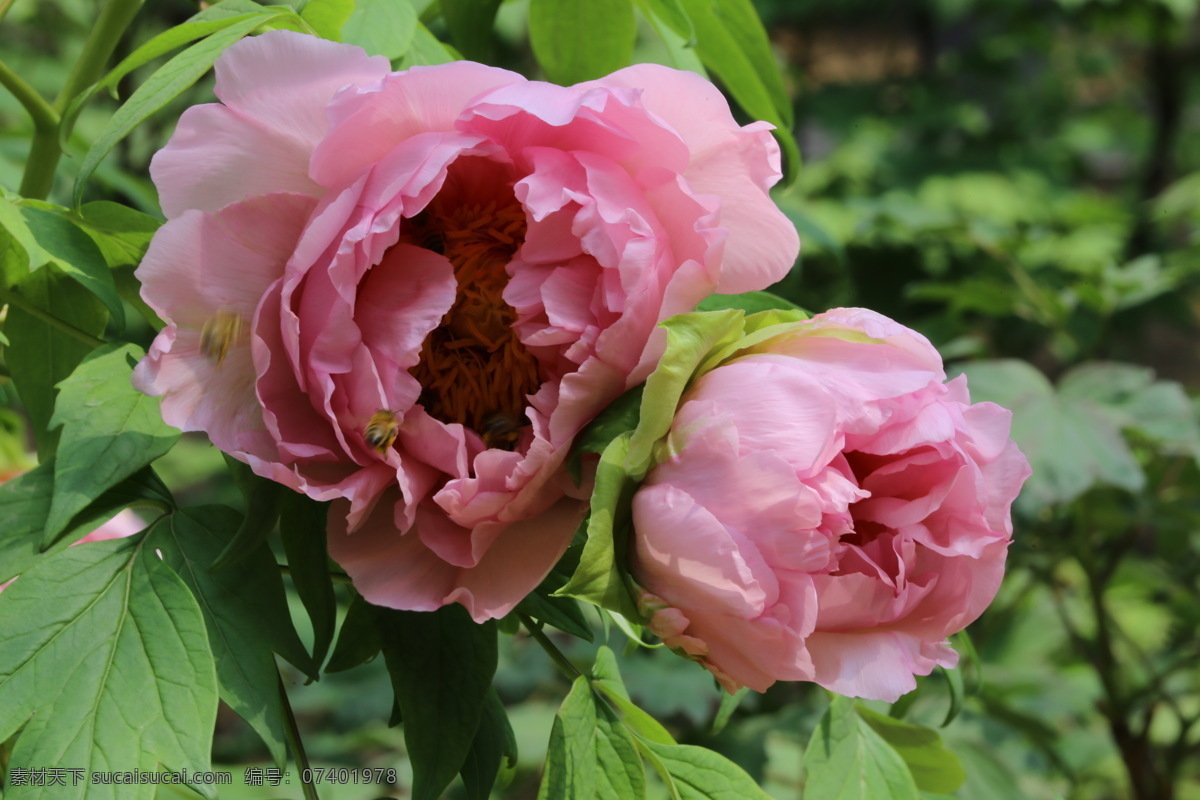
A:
291, 733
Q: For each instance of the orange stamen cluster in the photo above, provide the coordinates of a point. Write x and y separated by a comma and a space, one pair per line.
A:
473, 369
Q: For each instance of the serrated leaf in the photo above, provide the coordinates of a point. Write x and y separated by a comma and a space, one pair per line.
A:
41, 354
114, 674
581, 40
494, 742
381, 27
733, 44
302, 529
25, 503
470, 23
109, 431
933, 767
358, 640
847, 760
441, 663
167, 83
245, 612
327, 16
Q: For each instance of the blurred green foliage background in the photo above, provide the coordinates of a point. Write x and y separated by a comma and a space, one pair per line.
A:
1017, 179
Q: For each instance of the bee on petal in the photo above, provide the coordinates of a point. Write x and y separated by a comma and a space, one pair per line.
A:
381, 430
219, 333
502, 430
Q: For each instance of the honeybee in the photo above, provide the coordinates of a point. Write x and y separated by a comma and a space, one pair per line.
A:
502, 430
381, 430
219, 333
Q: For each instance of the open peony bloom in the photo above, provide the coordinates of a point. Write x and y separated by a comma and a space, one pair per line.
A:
833, 524
407, 292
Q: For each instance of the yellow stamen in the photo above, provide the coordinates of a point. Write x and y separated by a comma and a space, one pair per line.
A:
219, 334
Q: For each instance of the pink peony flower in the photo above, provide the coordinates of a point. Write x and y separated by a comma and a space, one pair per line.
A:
833, 524
407, 292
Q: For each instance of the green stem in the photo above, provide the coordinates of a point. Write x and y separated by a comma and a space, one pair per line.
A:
45, 153
17, 301
44, 116
561, 661
291, 732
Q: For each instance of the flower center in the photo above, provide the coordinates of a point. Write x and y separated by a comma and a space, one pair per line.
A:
473, 368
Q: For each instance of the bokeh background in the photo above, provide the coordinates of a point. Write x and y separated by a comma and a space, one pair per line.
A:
1020, 181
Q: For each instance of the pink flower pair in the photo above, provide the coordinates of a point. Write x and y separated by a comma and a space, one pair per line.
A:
407, 292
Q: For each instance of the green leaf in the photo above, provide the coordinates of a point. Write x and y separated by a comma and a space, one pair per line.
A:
672, 13
732, 43
109, 431
50, 238
115, 674
441, 663
381, 27
426, 50
561, 612
41, 354
847, 760
595, 741
598, 579
358, 641
262, 498
470, 23
729, 704
580, 40
245, 612
327, 16
121, 233
494, 742
750, 302
167, 83
697, 773
302, 529
1071, 443
25, 504
933, 767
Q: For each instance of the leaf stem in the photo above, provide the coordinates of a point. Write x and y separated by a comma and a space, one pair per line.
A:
561, 661
15, 300
43, 114
291, 732
46, 151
